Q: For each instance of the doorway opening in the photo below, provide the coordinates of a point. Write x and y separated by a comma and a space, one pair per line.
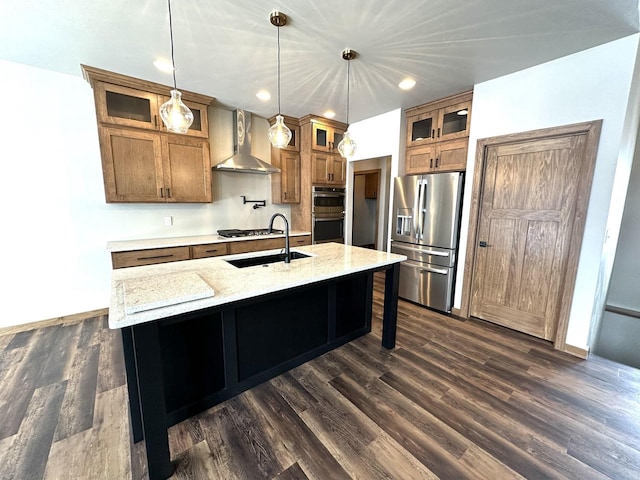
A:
368, 204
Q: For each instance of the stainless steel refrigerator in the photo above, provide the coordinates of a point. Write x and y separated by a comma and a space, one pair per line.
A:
426, 221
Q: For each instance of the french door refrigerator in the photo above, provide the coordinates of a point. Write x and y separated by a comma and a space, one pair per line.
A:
426, 220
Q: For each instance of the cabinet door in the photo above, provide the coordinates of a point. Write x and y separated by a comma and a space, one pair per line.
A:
320, 165
454, 121
200, 125
131, 165
422, 128
294, 143
126, 106
337, 170
290, 177
451, 156
245, 246
420, 159
187, 169
371, 183
321, 137
135, 258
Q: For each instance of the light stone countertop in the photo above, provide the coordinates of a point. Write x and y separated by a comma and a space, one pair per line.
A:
147, 243
231, 284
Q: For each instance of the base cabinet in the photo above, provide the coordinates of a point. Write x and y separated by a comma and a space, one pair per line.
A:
213, 355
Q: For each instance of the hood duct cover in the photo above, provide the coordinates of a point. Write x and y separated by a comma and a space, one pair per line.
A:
242, 161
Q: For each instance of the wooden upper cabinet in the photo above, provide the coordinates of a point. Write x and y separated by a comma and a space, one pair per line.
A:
285, 186
438, 135
186, 169
141, 160
328, 169
325, 137
131, 165
141, 166
130, 107
446, 119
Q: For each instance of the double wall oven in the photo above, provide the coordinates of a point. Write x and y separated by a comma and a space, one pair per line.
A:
327, 214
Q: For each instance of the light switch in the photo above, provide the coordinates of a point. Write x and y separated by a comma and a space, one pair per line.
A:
168, 221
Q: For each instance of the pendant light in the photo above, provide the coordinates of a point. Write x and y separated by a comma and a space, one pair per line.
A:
347, 147
279, 133
175, 114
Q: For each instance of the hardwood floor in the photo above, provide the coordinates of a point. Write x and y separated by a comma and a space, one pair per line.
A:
455, 399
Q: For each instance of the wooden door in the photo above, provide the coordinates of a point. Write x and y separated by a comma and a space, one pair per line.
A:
187, 169
530, 194
131, 165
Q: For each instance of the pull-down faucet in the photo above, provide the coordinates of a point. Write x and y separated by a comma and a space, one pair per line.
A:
287, 252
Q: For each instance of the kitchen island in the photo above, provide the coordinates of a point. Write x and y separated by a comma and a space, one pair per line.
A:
198, 332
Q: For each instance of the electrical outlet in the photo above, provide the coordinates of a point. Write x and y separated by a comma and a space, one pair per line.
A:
168, 221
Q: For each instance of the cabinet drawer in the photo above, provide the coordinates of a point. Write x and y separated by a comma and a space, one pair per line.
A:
300, 241
209, 250
256, 245
152, 256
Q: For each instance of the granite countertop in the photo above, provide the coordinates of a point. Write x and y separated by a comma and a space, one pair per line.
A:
147, 293
147, 243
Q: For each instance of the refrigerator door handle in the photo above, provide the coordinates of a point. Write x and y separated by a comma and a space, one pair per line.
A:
422, 250
423, 208
416, 212
441, 271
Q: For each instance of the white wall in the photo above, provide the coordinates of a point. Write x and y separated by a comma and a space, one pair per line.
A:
377, 136
56, 221
589, 85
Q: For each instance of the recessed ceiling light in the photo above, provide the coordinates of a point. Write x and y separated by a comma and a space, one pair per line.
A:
163, 65
329, 114
263, 95
462, 112
407, 84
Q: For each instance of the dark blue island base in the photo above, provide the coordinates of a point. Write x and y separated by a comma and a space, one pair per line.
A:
180, 366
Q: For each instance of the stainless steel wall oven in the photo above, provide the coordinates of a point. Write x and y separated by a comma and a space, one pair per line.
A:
327, 214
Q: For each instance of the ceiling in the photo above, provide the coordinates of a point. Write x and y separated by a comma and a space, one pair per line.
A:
227, 48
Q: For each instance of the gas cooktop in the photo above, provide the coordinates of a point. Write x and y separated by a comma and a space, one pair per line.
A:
247, 233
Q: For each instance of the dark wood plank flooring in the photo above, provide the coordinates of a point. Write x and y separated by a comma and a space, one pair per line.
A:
456, 399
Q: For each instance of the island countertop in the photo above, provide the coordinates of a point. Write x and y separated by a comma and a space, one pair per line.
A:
188, 284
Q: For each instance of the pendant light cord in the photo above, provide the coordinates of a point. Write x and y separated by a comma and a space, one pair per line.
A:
278, 70
348, 82
173, 62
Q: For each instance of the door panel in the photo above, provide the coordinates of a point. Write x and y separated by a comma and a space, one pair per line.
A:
526, 215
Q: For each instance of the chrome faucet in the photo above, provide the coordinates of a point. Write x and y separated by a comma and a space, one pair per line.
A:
287, 252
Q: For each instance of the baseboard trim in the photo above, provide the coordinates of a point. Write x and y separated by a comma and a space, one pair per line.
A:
576, 351
67, 319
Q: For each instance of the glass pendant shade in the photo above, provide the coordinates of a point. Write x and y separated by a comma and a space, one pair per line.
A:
175, 114
347, 147
279, 133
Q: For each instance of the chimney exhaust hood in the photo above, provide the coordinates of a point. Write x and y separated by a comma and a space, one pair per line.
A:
242, 161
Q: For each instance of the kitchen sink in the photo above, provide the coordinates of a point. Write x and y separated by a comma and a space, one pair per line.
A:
264, 259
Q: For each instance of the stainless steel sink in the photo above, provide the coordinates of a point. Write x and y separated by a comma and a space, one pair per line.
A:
264, 259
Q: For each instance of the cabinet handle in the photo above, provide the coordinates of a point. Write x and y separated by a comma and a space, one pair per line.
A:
162, 193
436, 162
285, 195
155, 121
438, 132
433, 133
168, 193
155, 257
431, 163
211, 251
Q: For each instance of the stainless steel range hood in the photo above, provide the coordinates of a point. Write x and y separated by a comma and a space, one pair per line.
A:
242, 161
